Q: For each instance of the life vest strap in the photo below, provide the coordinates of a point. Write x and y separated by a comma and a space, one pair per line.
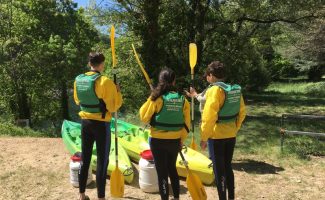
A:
90, 106
154, 123
227, 117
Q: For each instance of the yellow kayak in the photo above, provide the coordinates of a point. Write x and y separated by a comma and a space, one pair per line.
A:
134, 139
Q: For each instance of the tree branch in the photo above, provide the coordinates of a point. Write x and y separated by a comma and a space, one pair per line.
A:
268, 21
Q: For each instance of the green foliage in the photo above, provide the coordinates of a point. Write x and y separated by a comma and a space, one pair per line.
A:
282, 67
134, 87
9, 129
44, 46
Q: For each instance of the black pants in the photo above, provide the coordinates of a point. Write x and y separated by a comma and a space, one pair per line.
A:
91, 131
165, 153
222, 151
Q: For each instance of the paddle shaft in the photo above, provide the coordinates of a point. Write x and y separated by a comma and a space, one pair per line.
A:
192, 105
142, 68
185, 162
115, 123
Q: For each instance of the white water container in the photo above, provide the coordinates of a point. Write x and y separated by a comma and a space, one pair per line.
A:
74, 169
148, 179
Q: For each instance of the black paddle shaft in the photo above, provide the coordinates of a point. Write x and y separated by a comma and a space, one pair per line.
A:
192, 102
184, 161
115, 121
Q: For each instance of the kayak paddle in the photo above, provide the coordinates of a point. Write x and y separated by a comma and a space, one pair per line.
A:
117, 178
142, 68
194, 184
193, 58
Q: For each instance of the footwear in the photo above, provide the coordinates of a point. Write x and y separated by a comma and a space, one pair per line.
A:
86, 198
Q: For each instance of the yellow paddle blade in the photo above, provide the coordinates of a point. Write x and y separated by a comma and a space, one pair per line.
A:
117, 183
193, 144
141, 66
195, 187
193, 56
113, 45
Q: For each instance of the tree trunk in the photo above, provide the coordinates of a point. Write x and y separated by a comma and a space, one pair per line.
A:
64, 101
151, 37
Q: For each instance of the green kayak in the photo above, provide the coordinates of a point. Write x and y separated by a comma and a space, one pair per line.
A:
134, 139
71, 132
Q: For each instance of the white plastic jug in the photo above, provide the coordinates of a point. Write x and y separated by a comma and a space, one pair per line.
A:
74, 169
148, 179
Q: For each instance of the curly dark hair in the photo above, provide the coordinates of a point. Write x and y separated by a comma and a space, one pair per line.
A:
216, 68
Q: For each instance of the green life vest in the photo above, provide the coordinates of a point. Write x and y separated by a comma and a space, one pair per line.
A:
170, 117
230, 108
89, 102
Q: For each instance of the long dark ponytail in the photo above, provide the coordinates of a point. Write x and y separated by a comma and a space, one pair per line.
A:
165, 84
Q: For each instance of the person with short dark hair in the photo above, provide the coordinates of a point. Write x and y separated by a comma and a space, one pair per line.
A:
222, 116
168, 113
97, 97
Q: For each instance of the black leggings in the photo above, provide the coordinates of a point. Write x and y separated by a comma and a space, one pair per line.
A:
91, 131
165, 153
222, 151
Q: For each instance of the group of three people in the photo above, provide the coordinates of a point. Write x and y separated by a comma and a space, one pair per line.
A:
168, 113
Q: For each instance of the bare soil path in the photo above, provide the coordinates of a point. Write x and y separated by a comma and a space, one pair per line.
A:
38, 168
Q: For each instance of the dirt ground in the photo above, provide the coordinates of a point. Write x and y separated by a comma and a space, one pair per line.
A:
38, 168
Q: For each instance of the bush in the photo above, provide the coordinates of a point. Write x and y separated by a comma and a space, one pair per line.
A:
12, 130
315, 73
258, 76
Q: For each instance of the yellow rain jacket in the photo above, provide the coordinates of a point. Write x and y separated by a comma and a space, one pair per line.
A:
105, 89
215, 98
150, 107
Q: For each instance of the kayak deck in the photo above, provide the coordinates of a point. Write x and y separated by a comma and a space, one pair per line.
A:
135, 140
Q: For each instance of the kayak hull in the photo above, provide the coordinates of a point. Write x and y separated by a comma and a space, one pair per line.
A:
71, 132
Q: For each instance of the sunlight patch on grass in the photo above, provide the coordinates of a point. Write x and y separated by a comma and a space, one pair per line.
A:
310, 88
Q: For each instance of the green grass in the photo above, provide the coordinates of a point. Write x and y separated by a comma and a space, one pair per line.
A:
309, 89
293, 98
8, 129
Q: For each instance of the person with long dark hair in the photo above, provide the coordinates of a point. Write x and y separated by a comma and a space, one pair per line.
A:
97, 97
222, 116
168, 113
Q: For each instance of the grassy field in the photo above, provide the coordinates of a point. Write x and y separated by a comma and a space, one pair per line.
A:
260, 135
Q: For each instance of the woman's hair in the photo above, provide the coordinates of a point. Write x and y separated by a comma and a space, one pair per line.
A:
96, 58
216, 69
165, 84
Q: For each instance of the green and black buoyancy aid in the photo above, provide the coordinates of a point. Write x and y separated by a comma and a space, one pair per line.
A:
231, 106
170, 117
89, 102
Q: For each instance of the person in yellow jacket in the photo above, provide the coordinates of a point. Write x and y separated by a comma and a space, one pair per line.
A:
222, 116
168, 113
97, 97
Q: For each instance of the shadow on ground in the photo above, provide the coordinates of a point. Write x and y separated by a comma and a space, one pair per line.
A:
255, 167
